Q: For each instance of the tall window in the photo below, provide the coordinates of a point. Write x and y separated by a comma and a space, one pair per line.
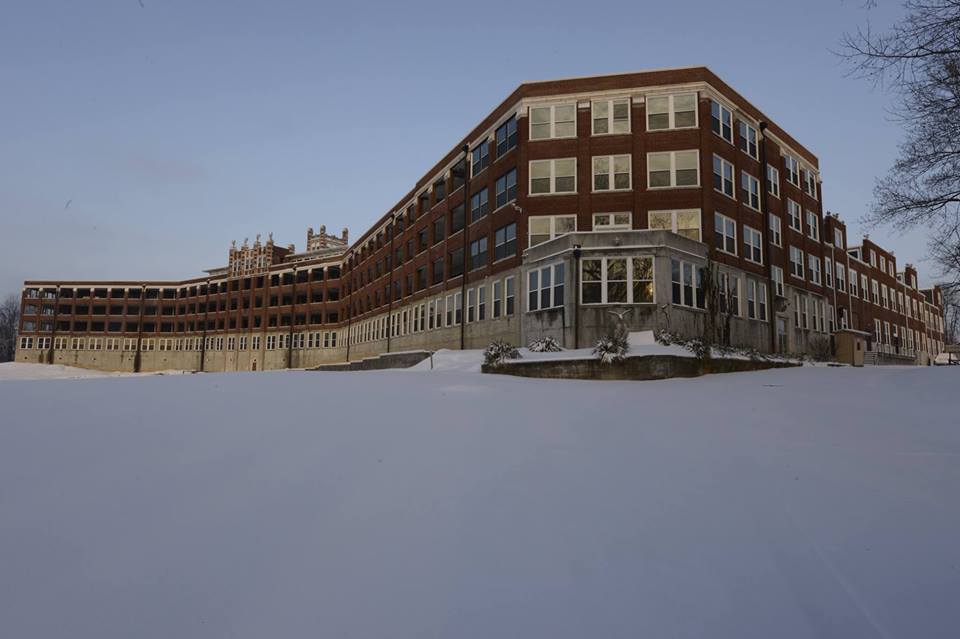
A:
721, 121
686, 284
671, 111
778, 281
479, 204
685, 222
506, 136
838, 238
756, 300
725, 234
616, 280
776, 229
480, 157
793, 213
611, 173
773, 181
753, 241
813, 262
723, 176
478, 253
809, 183
554, 121
796, 262
611, 116
748, 139
506, 188
546, 227
612, 222
505, 242
813, 225
792, 167
750, 190
545, 287
548, 177
672, 169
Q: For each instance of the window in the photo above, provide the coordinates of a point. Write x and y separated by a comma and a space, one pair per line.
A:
778, 281
456, 224
853, 283
809, 183
611, 116
438, 230
750, 190
456, 266
725, 233
721, 121
509, 295
611, 173
748, 139
612, 222
685, 222
828, 272
773, 181
813, 225
671, 111
480, 158
479, 204
506, 136
553, 176
545, 287
555, 121
481, 303
672, 169
505, 242
753, 240
793, 169
616, 280
813, 262
546, 227
686, 284
478, 253
793, 212
796, 262
775, 226
722, 176
438, 271
506, 187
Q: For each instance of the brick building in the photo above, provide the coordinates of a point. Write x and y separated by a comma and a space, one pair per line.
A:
573, 203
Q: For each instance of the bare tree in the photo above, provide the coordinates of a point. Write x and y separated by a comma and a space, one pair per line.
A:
918, 59
951, 303
9, 321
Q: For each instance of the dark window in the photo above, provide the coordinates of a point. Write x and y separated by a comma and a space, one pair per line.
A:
439, 191
456, 219
479, 205
437, 230
481, 157
456, 262
478, 253
506, 187
438, 271
424, 242
505, 242
506, 136
421, 278
458, 175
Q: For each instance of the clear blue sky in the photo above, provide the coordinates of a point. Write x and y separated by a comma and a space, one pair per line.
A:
177, 126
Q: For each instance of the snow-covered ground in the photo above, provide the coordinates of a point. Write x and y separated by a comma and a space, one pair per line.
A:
21, 370
792, 503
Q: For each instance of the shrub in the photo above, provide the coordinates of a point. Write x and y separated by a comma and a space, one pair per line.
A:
545, 345
612, 348
820, 348
498, 351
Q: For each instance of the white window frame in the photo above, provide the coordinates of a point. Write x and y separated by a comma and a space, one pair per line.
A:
792, 167
813, 225
536, 292
722, 111
727, 176
604, 280
725, 232
751, 235
611, 121
612, 225
794, 207
745, 127
777, 277
773, 181
553, 121
673, 169
815, 267
751, 186
674, 214
775, 226
610, 161
553, 226
797, 267
552, 162
672, 112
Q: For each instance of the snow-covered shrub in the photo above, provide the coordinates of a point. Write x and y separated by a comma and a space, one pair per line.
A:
545, 345
612, 348
498, 351
820, 348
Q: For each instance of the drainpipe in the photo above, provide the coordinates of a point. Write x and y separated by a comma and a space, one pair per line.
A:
293, 319
137, 356
576, 296
466, 229
772, 286
53, 336
392, 230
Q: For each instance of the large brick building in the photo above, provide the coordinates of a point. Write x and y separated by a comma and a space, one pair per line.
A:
571, 199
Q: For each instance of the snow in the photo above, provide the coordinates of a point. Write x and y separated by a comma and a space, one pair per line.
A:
791, 503
21, 371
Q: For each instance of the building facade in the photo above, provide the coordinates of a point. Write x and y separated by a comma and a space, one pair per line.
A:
574, 207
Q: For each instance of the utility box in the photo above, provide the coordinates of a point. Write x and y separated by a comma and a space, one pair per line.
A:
851, 346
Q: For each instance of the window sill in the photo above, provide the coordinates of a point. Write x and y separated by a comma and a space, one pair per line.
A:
685, 187
597, 192
551, 193
672, 129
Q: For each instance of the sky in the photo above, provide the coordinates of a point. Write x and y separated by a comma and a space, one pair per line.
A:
139, 137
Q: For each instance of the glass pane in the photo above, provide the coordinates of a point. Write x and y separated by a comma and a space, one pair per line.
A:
642, 268
658, 121
540, 131
660, 178
600, 126
565, 184
621, 219
565, 129
686, 160
591, 270
621, 110
564, 113
684, 102
601, 110
657, 105
617, 269
539, 225
621, 181
540, 115
659, 161
565, 167
591, 293
601, 182
601, 165
642, 292
540, 185
660, 220
540, 169
566, 224
621, 164
616, 292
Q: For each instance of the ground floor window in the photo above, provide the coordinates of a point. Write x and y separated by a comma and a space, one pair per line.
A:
686, 283
616, 280
545, 287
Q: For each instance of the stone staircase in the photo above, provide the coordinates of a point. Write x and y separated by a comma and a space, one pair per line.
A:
380, 362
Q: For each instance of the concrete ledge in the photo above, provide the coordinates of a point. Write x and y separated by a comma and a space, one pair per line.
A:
632, 368
378, 363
